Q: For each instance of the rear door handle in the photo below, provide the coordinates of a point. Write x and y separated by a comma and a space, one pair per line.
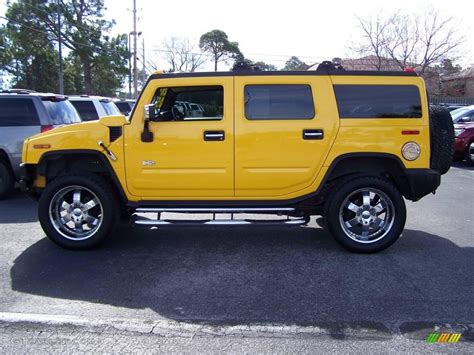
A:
214, 136
313, 134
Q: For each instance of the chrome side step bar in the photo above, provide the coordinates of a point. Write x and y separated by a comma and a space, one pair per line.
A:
146, 221
215, 210
221, 222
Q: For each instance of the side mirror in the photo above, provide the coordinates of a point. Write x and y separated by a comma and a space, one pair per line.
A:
466, 119
151, 113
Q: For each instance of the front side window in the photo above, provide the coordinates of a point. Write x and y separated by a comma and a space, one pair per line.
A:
378, 101
279, 102
18, 112
190, 103
86, 110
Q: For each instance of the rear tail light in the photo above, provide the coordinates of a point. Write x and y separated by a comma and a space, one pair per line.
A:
46, 128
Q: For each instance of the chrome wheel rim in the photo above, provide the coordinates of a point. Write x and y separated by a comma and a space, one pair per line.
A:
367, 215
471, 151
76, 213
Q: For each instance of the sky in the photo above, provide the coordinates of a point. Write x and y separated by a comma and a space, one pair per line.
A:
273, 31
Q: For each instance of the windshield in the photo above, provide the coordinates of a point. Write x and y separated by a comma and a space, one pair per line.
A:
110, 108
61, 112
459, 113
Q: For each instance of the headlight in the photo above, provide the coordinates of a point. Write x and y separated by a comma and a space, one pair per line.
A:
458, 131
411, 151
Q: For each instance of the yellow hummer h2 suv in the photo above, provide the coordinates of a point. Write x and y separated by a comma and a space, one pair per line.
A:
348, 146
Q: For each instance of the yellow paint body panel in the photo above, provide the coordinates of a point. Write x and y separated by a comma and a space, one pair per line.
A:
258, 160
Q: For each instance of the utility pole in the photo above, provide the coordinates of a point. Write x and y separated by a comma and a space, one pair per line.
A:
130, 66
135, 37
143, 57
60, 53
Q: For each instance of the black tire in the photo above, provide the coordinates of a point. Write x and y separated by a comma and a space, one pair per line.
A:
442, 139
7, 180
469, 156
395, 212
108, 207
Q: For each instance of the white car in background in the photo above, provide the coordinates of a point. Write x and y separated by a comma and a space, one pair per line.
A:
91, 108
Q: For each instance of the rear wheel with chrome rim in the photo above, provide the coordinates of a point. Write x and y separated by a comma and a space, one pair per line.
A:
78, 212
366, 214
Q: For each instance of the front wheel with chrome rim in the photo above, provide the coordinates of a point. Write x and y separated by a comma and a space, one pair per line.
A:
78, 212
366, 214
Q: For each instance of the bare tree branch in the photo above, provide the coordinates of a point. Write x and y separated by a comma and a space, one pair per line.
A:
409, 40
182, 56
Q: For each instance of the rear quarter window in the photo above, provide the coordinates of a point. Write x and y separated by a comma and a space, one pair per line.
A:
86, 110
18, 112
378, 101
61, 112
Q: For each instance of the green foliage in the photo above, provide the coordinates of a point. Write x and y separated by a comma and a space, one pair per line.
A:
294, 63
265, 66
94, 63
26, 51
218, 45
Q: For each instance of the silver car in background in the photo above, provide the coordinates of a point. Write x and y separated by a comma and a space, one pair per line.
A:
24, 113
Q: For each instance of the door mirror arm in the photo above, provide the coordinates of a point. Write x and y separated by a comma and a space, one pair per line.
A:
150, 115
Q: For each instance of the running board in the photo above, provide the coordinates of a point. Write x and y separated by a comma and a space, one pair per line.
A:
271, 210
145, 221
221, 222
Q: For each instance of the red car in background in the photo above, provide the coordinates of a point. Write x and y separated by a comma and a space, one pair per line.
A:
463, 119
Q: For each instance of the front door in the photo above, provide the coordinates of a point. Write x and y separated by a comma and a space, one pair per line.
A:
192, 152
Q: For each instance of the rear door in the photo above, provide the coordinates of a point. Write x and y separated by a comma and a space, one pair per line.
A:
18, 120
284, 127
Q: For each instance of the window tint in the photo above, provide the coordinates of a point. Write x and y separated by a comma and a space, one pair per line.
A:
86, 110
278, 102
124, 107
378, 101
110, 108
18, 112
176, 103
61, 112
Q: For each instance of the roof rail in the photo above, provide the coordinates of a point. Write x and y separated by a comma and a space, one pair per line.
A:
245, 66
17, 91
328, 65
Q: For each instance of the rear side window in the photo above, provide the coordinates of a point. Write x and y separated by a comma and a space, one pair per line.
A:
18, 112
378, 101
279, 102
86, 110
61, 112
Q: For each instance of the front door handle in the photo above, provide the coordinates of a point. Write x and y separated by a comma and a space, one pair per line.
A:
214, 136
313, 134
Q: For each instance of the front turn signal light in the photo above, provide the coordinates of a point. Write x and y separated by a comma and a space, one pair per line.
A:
411, 151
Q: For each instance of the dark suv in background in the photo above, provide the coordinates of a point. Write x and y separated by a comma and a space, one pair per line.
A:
24, 113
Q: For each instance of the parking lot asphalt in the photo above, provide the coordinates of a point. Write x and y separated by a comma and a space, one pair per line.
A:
230, 276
